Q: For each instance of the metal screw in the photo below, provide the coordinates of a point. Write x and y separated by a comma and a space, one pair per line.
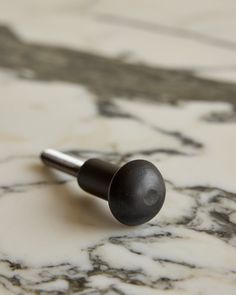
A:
135, 191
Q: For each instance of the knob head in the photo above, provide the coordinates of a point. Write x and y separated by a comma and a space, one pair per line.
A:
136, 193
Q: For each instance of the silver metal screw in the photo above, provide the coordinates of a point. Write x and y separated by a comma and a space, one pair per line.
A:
61, 161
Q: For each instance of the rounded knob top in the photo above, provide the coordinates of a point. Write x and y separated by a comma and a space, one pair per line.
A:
137, 192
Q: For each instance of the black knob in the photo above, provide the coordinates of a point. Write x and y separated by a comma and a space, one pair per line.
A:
135, 192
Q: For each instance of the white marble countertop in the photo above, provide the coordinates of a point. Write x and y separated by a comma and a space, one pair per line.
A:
118, 80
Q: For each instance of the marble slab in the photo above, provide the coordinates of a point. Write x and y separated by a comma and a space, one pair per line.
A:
118, 81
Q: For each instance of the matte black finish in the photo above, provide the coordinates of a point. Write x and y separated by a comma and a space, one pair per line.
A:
135, 192
95, 177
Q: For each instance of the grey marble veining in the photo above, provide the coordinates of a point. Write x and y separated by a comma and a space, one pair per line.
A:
102, 96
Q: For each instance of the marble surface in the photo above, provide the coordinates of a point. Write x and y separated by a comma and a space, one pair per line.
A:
119, 81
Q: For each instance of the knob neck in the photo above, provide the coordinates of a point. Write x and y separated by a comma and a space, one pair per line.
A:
95, 176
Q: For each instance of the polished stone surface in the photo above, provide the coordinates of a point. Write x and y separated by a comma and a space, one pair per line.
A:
110, 79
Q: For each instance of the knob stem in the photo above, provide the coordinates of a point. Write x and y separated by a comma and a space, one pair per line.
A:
62, 162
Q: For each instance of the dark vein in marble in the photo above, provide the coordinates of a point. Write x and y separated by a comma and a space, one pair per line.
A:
138, 24
111, 110
220, 117
106, 77
185, 140
107, 108
22, 187
216, 213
